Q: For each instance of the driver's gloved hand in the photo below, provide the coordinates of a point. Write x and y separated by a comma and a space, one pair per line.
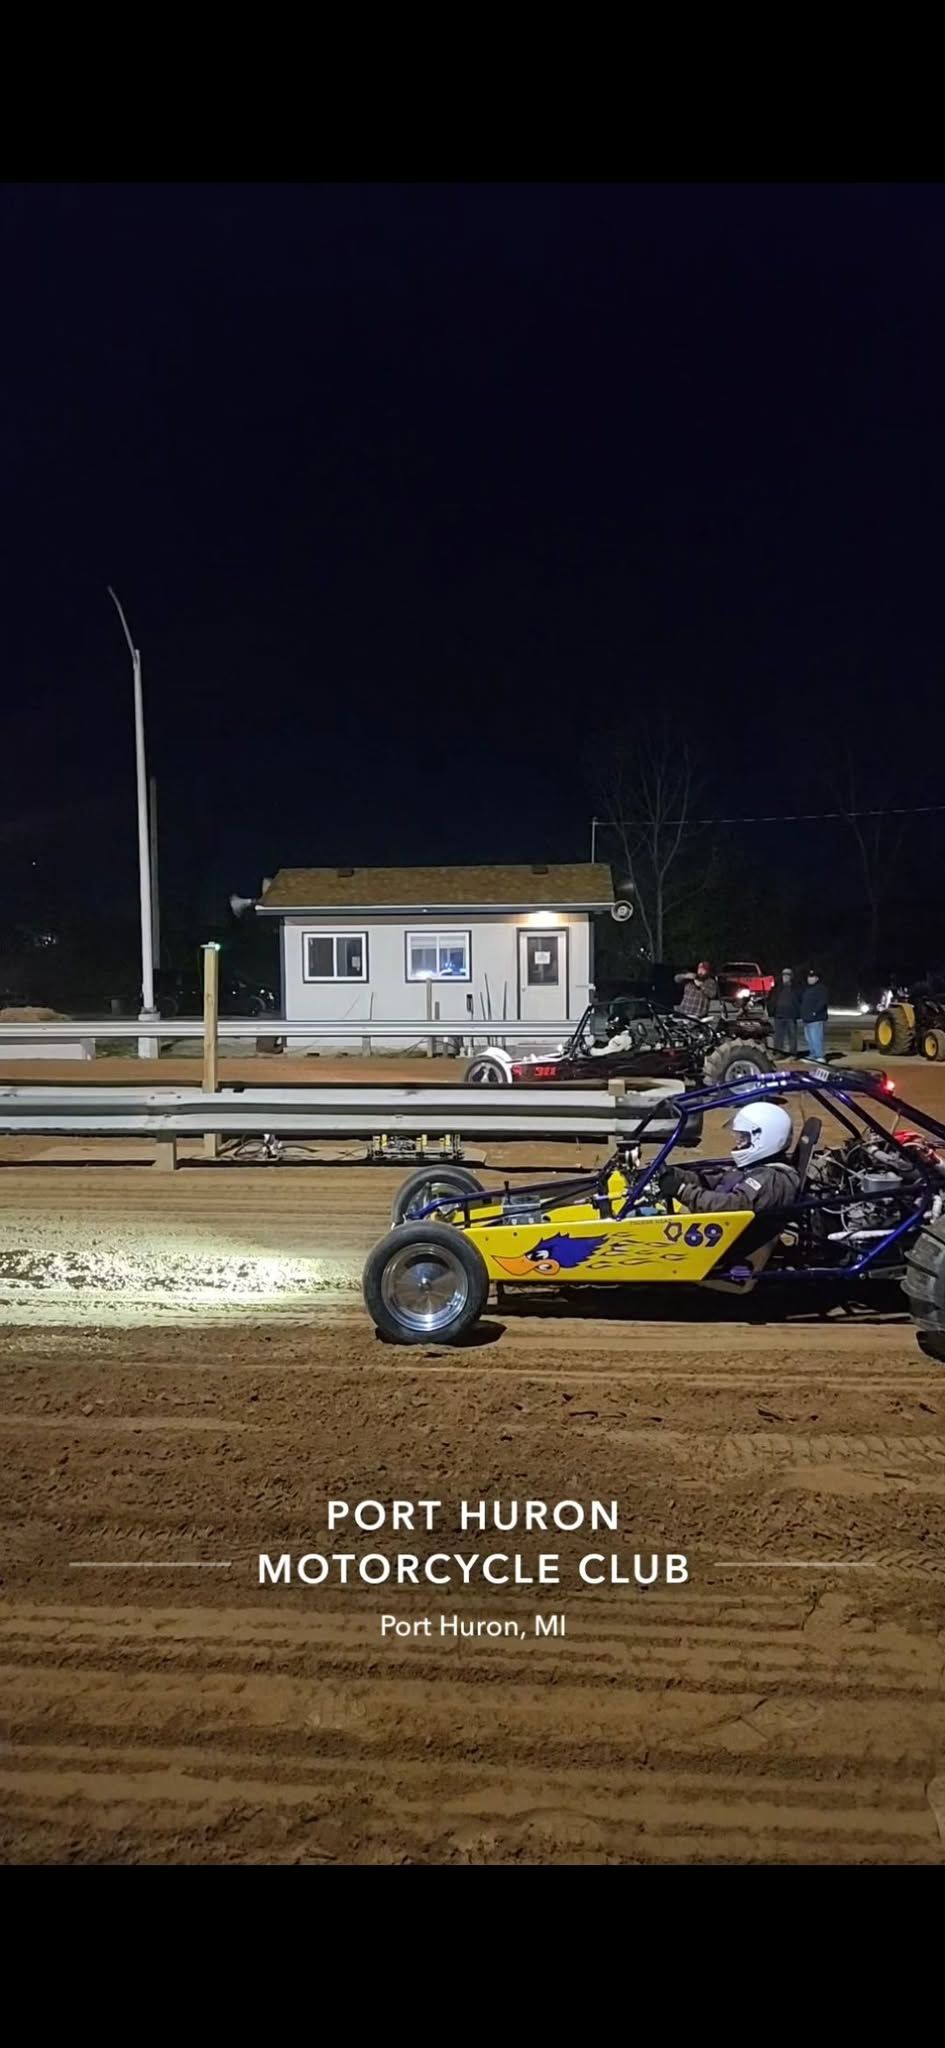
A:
669, 1183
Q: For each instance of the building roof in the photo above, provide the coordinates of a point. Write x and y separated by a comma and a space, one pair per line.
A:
575, 885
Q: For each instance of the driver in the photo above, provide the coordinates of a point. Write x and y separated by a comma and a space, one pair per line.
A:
759, 1178
620, 1036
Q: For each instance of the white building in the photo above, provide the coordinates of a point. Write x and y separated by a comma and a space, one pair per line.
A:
467, 946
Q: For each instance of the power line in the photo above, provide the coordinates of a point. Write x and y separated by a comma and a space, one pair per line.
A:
782, 817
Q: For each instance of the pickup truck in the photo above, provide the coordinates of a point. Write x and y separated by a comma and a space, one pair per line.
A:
743, 977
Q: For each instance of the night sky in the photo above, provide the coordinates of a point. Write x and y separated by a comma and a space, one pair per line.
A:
413, 494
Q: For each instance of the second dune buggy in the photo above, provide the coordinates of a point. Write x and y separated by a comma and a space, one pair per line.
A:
658, 1045
871, 1206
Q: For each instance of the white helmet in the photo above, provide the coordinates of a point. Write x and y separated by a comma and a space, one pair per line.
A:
769, 1130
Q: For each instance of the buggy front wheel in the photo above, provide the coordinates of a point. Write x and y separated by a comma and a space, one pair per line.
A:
425, 1283
484, 1072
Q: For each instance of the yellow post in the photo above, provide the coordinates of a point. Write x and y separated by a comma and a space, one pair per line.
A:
211, 1021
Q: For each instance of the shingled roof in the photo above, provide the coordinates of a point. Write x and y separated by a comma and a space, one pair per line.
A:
575, 885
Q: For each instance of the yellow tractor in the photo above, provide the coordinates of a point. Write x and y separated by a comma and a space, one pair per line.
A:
912, 1021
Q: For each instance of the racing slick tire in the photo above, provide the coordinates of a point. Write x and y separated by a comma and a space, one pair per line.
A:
737, 1059
426, 1184
484, 1072
933, 1044
425, 1284
924, 1288
893, 1032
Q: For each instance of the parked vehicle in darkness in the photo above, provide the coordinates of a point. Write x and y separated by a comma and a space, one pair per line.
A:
180, 994
740, 978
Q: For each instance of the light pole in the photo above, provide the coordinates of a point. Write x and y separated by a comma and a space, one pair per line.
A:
147, 1048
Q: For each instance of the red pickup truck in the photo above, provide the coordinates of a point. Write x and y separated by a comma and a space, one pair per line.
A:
743, 977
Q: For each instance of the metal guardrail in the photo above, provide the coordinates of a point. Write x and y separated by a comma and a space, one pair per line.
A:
353, 1112
416, 1030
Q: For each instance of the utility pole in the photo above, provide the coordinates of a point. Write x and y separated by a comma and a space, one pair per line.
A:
155, 894
147, 1047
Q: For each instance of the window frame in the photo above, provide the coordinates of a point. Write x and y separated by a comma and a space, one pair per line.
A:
435, 935
331, 980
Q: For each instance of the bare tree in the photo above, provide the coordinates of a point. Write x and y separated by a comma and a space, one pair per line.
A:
648, 799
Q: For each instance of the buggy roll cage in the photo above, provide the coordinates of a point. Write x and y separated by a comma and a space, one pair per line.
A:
830, 1087
833, 1089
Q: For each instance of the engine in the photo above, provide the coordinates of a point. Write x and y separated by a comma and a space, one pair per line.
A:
874, 1183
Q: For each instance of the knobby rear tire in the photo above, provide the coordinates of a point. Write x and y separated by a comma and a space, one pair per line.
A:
924, 1287
725, 1057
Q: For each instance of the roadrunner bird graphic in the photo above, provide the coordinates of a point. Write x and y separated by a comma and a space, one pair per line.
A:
555, 1254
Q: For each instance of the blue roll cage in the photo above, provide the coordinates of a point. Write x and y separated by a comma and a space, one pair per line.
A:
839, 1091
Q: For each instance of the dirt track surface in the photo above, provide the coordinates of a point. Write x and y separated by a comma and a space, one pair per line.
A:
187, 1376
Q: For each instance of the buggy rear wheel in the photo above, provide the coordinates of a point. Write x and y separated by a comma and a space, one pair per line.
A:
738, 1059
933, 1044
924, 1287
426, 1185
425, 1283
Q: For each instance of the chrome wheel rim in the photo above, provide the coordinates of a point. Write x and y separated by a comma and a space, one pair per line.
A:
424, 1287
484, 1075
743, 1070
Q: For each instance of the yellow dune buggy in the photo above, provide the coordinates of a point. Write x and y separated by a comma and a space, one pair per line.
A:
872, 1206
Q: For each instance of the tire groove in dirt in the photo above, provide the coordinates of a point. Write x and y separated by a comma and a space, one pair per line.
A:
742, 1717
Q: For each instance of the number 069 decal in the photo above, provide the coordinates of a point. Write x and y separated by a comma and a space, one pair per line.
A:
696, 1233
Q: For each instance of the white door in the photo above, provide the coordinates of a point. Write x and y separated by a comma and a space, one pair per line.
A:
542, 975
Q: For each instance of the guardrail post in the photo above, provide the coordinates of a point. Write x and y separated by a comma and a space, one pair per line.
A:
211, 1021
165, 1154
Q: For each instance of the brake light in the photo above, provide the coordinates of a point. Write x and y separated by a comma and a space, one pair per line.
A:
888, 1086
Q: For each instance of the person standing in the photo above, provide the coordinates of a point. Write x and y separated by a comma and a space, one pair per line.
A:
699, 991
814, 1013
783, 1005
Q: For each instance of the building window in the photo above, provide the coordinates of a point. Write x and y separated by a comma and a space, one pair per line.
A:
334, 956
438, 956
541, 959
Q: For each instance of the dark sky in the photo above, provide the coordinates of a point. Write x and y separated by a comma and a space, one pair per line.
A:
411, 491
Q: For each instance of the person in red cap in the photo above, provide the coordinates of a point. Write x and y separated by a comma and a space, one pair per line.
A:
699, 991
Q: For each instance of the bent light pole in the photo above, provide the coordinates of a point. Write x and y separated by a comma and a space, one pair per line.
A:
147, 1048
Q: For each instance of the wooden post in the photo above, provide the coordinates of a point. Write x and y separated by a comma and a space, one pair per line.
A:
211, 1022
